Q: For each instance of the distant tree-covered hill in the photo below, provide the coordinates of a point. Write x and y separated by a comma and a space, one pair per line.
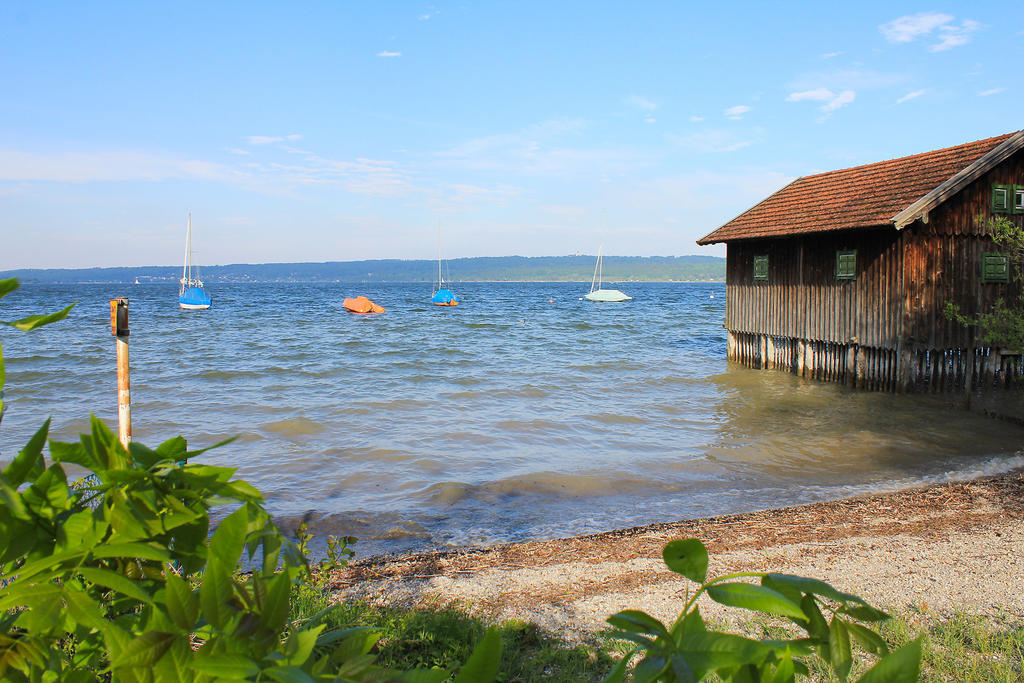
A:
479, 269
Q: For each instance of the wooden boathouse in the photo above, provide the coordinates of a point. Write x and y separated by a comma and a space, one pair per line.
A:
843, 276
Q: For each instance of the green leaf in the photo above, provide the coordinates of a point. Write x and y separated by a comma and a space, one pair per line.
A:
636, 621
900, 666
712, 651
839, 651
864, 612
276, 603
225, 666
805, 585
785, 671
618, 673
116, 582
34, 321
869, 640
482, 665
650, 668
173, 449
816, 624
143, 650
7, 286
136, 551
681, 668
754, 597
688, 557
229, 538
182, 604
11, 501
288, 674
301, 643
215, 591
84, 610
29, 461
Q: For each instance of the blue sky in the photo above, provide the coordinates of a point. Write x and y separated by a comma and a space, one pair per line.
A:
321, 131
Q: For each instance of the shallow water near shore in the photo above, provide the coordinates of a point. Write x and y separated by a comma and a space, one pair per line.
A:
507, 418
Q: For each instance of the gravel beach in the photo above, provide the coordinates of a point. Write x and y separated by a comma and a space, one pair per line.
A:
940, 547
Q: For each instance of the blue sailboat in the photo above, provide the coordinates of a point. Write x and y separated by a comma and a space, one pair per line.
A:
442, 295
191, 295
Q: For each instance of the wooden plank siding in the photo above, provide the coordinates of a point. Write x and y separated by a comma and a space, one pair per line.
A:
885, 330
803, 299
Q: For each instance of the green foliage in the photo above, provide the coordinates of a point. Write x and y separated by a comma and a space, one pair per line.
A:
443, 636
121, 577
832, 621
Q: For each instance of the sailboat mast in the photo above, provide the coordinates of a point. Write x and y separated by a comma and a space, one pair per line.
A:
189, 246
440, 282
184, 265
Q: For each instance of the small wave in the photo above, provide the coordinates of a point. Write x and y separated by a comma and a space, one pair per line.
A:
617, 418
296, 426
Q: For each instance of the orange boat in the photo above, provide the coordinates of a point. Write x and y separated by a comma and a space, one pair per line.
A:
361, 304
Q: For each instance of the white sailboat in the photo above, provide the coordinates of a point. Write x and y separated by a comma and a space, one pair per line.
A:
597, 293
191, 295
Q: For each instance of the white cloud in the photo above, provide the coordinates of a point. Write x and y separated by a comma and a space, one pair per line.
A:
262, 139
912, 26
239, 152
909, 28
832, 101
640, 102
696, 119
830, 55
650, 119
910, 96
841, 100
737, 112
993, 91
818, 94
954, 36
386, 53
293, 136
710, 141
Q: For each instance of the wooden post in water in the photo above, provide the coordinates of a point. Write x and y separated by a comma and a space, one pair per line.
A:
119, 328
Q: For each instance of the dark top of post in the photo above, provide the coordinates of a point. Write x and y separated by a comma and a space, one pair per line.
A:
119, 317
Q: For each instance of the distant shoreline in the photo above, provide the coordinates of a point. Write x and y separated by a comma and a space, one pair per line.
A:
373, 282
478, 269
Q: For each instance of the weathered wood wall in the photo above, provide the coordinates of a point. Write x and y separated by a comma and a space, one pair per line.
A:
885, 330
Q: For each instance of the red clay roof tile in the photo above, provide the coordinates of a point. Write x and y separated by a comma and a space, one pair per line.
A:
858, 197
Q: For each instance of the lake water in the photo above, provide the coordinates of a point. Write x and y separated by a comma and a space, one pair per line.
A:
524, 413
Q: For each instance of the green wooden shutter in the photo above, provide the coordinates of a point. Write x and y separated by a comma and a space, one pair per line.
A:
846, 265
761, 267
1001, 198
995, 268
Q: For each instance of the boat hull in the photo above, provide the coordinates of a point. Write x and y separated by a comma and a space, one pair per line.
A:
194, 299
608, 295
444, 297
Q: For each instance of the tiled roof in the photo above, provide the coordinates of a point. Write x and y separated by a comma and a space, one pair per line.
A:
859, 197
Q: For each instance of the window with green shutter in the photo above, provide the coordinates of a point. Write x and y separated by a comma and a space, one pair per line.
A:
846, 265
1001, 198
761, 267
995, 268
1018, 198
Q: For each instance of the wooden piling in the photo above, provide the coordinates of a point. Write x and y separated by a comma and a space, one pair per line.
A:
119, 328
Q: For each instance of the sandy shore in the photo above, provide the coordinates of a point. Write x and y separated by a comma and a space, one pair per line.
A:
941, 547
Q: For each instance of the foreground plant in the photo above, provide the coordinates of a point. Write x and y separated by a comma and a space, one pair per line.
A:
116, 575
689, 651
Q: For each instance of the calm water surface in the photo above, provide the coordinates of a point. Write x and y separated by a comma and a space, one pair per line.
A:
510, 417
